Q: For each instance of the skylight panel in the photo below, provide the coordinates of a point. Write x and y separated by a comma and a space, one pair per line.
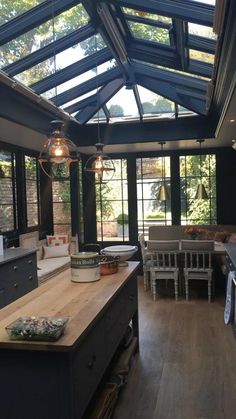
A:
17, 8
63, 59
201, 56
153, 103
41, 36
79, 98
88, 75
150, 33
146, 15
201, 30
123, 104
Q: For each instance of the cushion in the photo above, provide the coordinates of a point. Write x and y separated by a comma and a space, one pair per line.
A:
210, 235
220, 236
232, 238
48, 268
56, 251
57, 239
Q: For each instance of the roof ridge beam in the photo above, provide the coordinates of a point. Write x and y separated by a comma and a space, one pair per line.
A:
32, 18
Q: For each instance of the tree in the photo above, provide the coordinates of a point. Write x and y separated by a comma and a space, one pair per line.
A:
116, 110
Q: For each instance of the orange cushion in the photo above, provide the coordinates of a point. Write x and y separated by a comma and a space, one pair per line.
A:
57, 240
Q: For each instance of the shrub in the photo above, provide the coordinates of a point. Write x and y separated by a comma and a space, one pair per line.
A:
122, 219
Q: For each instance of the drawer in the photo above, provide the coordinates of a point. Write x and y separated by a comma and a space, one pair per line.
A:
115, 324
88, 366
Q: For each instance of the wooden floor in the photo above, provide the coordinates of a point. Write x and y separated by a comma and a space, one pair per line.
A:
186, 368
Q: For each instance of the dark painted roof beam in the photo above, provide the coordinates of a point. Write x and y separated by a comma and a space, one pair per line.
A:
153, 53
48, 51
87, 86
72, 71
194, 102
194, 126
166, 58
171, 77
180, 41
103, 96
32, 18
181, 9
200, 68
147, 21
105, 110
201, 44
138, 101
88, 101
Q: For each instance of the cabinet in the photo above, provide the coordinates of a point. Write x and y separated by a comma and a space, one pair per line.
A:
18, 274
57, 380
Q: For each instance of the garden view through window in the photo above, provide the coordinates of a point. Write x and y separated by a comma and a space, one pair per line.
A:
112, 206
8, 219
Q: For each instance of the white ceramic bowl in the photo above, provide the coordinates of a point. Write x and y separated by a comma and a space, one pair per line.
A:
124, 252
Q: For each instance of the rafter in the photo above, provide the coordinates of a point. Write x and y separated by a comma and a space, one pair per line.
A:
32, 18
48, 51
102, 97
72, 70
87, 86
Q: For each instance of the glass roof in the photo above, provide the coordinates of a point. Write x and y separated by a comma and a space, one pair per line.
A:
132, 62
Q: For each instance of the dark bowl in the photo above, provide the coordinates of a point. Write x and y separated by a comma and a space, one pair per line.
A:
108, 264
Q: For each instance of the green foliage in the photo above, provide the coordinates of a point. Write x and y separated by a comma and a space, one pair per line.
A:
159, 214
116, 110
122, 219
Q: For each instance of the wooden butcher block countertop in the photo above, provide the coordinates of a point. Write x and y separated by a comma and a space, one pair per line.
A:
82, 302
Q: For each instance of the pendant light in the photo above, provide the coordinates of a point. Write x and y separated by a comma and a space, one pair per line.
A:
58, 151
99, 164
163, 193
201, 192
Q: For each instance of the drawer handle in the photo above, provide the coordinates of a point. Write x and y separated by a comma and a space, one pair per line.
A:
15, 268
30, 277
15, 285
91, 362
131, 297
30, 262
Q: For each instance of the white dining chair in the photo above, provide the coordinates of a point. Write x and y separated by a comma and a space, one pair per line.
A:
164, 263
198, 263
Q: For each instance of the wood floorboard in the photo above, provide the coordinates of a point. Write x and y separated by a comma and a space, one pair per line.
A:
186, 368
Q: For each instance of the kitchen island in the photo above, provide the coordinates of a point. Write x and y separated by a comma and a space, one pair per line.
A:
56, 380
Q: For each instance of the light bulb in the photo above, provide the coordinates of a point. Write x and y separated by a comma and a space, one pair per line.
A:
58, 150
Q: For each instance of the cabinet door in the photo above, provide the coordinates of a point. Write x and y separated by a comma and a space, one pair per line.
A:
88, 366
18, 277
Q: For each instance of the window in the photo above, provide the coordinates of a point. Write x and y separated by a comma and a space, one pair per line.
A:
195, 211
149, 179
32, 193
112, 206
7, 191
61, 206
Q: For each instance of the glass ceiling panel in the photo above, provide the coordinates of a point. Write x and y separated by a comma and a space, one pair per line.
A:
79, 98
150, 33
88, 75
41, 36
101, 115
152, 103
200, 30
122, 104
212, 2
147, 15
201, 56
182, 110
63, 59
9, 9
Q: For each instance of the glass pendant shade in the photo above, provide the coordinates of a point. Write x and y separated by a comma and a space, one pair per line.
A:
163, 193
58, 152
201, 192
100, 165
